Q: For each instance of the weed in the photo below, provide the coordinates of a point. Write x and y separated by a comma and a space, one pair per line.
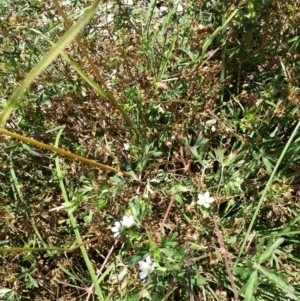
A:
149, 151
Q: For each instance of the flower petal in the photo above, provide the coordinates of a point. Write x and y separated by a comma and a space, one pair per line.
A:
143, 274
118, 224
143, 265
115, 229
204, 199
148, 260
200, 196
206, 195
128, 221
200, 200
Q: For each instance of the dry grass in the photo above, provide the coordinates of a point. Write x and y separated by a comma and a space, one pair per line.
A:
261, 101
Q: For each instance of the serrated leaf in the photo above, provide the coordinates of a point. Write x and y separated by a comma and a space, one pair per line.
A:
277, 280
270, 249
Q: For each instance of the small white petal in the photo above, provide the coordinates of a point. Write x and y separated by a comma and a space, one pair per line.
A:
200, 199
163, 9
206, 195
205, 200
143, 274
146, 267
117, 228
126, 146
143, 265
128, 221
179, 8
148, 260
118, 224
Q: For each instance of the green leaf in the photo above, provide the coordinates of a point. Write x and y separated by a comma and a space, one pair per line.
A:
116, 179
4, 291
267, 164
259, 245
270, 249
151, 242
250, 286
179, 200
132, 260
31, 150
198, 281
208, 42
243, 271
278, 281
168, 252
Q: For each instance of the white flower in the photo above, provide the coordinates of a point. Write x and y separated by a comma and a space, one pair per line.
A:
117, 229
146, 267
205, 200
127, 221
126, 146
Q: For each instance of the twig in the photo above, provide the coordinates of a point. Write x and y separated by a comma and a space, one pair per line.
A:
188, 270
167, 213
225, 254
71, 285
86, 289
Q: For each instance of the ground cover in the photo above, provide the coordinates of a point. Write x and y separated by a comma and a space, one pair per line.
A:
156, 157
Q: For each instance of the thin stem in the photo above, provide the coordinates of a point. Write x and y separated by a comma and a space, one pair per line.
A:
75, 227
62, 152
225, 254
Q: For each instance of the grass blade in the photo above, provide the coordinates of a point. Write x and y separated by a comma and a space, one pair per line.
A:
52, 54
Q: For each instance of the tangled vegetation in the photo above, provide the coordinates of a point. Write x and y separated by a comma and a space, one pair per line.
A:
154, 156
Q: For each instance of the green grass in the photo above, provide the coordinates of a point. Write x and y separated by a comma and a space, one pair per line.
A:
137, 116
